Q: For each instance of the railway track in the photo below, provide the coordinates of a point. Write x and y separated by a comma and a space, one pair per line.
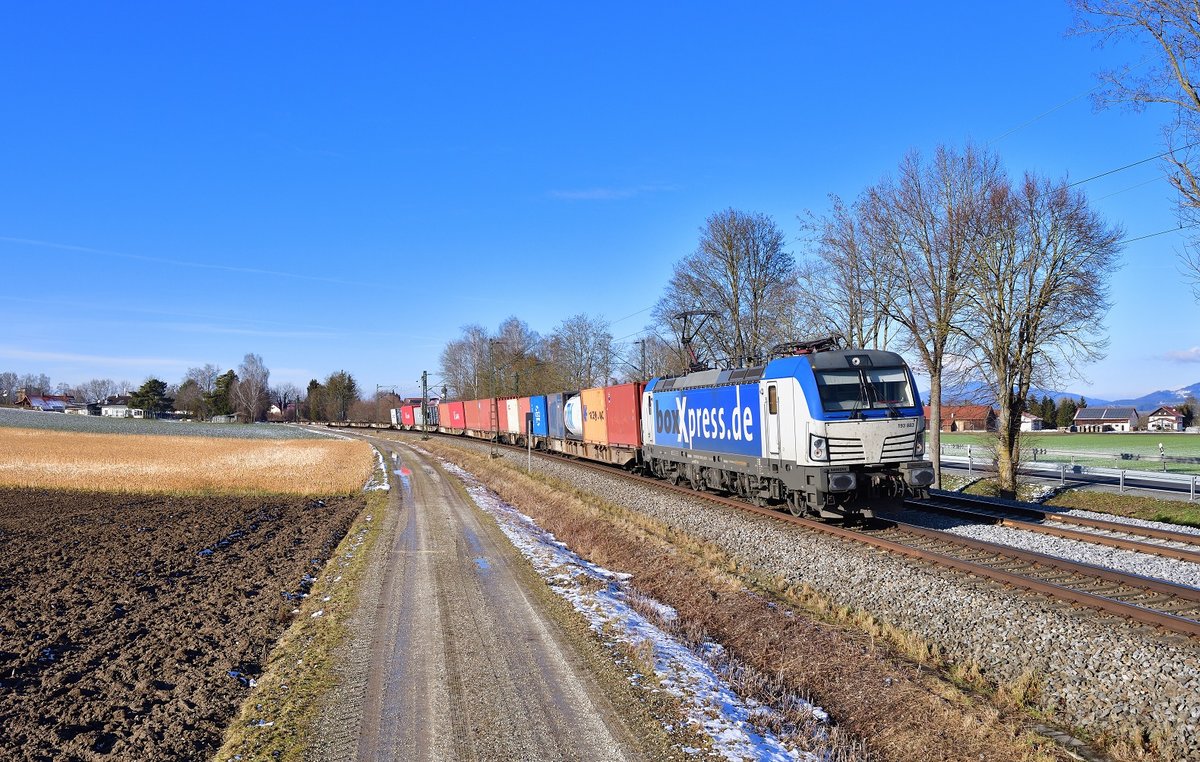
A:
1113, 534
1174, 608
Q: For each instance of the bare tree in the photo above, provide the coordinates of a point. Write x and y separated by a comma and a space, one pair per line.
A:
740, 270
250, 393
847, 279
96, 390
1171, 29
514, 351
190, 399
581, 351
932, 222
465, 363
287, 394
1040, 293
205, 377
9, 383
34, 383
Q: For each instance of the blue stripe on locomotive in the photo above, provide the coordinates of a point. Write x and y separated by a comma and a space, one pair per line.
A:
723, 419
537, 407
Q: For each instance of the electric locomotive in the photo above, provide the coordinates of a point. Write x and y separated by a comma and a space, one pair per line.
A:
833, 433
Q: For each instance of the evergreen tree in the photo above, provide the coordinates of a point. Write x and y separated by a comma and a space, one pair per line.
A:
341, 391
315, 401
1066, 413
1189, 409
1049, 412
220, 400
152, 397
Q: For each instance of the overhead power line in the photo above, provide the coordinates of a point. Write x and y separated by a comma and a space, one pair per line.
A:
1161, 232
1134, 164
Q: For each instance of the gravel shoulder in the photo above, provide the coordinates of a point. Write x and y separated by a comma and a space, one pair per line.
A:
452, 654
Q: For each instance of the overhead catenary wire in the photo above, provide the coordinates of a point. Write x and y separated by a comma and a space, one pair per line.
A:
1133, 164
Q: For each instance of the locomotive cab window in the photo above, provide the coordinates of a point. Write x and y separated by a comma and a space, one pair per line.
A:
865, 389
772, 400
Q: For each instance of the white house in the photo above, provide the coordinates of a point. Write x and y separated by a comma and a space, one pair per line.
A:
1030, 422
1165, 419
118, 407
1106, 419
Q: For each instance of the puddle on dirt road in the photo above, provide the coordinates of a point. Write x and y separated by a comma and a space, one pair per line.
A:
482, 563
404, 472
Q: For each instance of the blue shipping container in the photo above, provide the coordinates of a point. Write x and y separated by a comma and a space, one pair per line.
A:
723, 419
537, 407
554, 416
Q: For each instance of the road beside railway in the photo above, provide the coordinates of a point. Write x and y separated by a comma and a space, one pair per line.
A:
453, 657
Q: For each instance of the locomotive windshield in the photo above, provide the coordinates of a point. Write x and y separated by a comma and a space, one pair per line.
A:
865, 389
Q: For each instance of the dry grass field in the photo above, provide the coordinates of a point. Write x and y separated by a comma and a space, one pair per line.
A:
181, 464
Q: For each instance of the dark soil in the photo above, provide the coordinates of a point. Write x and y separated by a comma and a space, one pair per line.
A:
131, 626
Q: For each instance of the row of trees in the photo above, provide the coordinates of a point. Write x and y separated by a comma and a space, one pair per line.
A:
207, 391
516, 360
968, 271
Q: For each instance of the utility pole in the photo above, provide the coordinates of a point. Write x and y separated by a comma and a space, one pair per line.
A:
642, 367
424, 400
495, 404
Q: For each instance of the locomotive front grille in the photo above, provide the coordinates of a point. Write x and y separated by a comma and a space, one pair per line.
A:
898, 448
846, 450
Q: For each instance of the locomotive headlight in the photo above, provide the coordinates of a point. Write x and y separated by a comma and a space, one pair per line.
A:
919, 446
817, 448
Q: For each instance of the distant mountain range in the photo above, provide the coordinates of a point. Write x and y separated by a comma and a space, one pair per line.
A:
978, 393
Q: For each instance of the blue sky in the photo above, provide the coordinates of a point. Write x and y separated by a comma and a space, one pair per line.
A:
345, 187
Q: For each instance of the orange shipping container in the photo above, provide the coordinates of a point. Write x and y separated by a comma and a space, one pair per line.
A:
622, 408
595, 428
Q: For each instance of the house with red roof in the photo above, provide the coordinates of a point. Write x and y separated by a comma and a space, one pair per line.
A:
1165, 419
965, 418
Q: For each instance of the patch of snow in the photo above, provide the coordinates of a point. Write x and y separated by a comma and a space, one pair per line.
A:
709, 702
380, 469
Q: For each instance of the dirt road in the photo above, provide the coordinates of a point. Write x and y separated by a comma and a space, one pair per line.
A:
451, 656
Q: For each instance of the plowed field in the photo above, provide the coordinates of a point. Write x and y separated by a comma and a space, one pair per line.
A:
131, 625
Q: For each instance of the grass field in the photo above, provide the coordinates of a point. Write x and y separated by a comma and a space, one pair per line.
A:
1174, 444
182, 464
1135, 451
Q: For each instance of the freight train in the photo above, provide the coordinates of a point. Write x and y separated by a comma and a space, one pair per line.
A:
826, 432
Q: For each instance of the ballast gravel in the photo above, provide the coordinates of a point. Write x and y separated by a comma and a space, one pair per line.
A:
1098, 673
1171, 570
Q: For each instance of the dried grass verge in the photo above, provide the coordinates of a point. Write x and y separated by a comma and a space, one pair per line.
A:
181, 464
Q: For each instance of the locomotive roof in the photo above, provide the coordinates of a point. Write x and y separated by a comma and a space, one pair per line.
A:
784, 367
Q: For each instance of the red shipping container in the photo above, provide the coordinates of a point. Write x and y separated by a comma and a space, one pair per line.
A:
481, 415
453, 416
406, 415
474, 421
523, 407
623, 414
